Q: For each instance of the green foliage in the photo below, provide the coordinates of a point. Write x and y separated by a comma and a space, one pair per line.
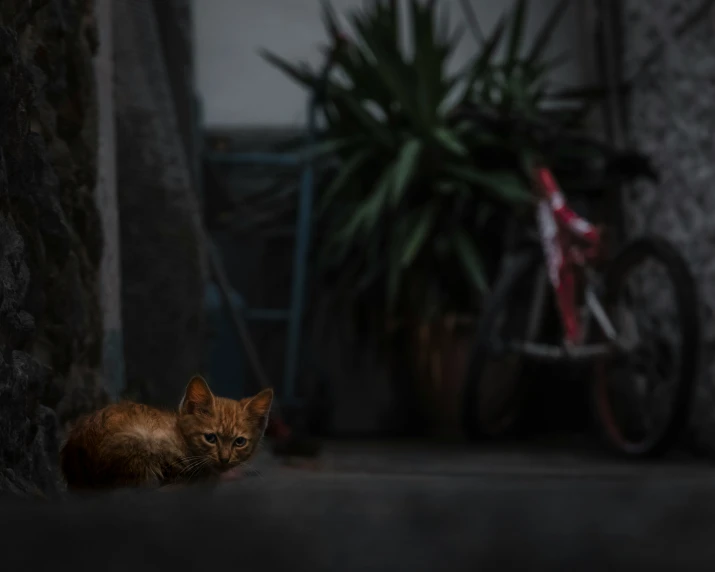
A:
405, 212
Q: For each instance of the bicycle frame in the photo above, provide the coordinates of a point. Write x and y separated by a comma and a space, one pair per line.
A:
569, 243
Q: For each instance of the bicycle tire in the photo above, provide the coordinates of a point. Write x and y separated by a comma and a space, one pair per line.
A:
686, 297
500, 299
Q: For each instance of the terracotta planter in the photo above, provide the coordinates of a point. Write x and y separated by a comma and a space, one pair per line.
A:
439, 357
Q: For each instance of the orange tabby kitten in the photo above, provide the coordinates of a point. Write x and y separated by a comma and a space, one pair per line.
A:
128, 444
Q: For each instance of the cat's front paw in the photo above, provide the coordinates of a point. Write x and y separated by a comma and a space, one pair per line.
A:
172, 487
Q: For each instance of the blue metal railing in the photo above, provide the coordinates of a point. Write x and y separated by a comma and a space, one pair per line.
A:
294, 314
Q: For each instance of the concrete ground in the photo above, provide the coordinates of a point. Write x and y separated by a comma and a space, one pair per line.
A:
564, 457
402, 506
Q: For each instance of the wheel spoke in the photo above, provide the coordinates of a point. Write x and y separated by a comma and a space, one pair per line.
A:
642, 395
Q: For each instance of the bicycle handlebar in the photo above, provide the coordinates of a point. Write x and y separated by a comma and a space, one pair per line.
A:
629, 164
544, 129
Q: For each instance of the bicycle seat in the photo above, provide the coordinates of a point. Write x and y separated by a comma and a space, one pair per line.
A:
591, 173
629, 165
591, 176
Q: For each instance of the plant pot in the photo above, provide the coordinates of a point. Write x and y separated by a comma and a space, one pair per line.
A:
438, 359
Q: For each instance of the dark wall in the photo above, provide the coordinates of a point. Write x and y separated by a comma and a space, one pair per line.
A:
50, 238
175, 33
163, 268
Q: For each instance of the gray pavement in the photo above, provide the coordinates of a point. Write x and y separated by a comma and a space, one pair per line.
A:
567, 458
368, 507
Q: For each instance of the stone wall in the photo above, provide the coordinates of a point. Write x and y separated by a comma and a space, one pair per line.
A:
670, 54
50, 236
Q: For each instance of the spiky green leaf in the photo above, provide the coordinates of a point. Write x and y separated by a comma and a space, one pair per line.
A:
544, 35
481, 64
330, 19
405, 168
429, 60
352, 106
344, 177
468, 256
299, 73
327, 147
516, 32
388, 61
450, 141
418, 235
504, 185
375, 204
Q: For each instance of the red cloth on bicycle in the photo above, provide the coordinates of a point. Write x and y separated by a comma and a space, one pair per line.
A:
561, 258
562, 213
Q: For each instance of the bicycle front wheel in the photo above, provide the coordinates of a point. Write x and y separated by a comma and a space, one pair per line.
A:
642, 395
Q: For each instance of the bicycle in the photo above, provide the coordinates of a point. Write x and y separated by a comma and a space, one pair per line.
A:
564, 262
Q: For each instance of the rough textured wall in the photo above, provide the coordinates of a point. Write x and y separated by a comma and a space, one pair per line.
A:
163, 268
50, 239
671, 115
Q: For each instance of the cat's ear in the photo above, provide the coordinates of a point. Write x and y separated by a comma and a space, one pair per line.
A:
260, 406
198, 398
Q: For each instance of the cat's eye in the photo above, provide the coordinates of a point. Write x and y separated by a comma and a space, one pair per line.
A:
210, 437
240, 442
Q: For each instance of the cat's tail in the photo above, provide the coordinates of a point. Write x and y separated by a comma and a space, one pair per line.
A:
73, 464
75, 454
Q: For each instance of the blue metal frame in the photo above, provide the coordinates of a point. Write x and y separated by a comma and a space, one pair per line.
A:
294, 314
277, 159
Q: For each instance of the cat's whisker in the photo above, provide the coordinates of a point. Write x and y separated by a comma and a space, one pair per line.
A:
190, 466
193, 464
190, 461
178, 464
253, 469
183, 460
200, 466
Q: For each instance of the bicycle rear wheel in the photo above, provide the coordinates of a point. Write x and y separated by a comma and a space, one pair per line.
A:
656, 314
495, 391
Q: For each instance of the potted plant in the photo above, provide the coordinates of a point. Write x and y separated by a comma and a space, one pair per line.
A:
410, 220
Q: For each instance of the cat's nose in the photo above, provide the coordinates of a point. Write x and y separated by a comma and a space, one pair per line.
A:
224, 460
